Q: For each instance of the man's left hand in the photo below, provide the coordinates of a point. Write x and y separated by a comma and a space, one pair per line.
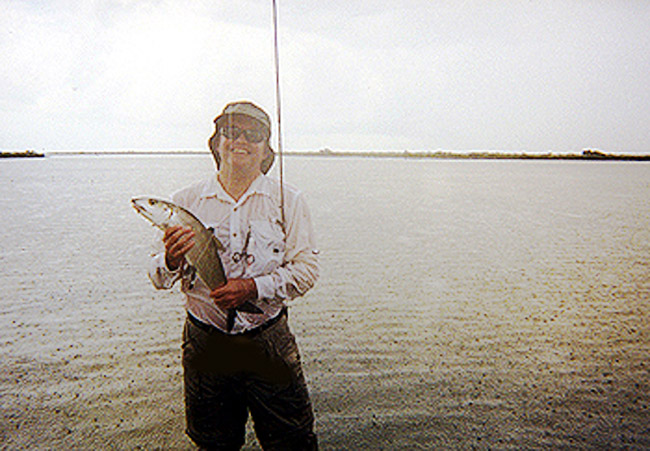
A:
234, 293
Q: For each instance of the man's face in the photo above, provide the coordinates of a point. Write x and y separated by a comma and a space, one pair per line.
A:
237, 146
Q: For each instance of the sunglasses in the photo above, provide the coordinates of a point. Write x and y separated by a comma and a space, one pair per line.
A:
233, 132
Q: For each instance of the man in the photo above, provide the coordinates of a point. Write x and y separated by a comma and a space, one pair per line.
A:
245, 361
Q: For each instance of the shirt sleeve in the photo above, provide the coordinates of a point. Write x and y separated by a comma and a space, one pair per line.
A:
160, 275
300, 268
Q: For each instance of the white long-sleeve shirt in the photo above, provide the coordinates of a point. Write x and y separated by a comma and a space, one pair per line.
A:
284, 262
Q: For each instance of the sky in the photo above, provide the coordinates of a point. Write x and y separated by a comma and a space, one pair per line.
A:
509, 75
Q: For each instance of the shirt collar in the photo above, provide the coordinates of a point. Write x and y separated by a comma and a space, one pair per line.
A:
261, 185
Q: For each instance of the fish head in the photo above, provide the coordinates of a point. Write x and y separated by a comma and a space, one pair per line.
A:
158, 211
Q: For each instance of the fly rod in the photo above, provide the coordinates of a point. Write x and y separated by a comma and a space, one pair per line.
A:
278, 107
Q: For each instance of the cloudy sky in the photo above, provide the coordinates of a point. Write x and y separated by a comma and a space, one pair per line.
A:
513, 75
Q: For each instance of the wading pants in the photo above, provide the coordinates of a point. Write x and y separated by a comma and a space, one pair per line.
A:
228, 376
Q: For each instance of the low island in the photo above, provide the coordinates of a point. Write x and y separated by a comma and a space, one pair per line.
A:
25, 154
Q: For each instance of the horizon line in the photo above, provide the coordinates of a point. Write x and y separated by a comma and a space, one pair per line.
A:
327, 151
586, 154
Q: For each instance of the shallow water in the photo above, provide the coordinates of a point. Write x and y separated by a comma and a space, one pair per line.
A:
489, 304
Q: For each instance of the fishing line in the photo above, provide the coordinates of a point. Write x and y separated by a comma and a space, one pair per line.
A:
279, 108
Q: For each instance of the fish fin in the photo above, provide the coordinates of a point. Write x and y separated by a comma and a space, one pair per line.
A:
220, 246
249, 307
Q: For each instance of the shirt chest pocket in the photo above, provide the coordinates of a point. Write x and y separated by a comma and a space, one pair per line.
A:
266, 244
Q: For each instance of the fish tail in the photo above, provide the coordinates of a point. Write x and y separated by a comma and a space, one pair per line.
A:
230, 320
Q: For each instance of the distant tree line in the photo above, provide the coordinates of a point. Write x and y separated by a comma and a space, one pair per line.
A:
25, 154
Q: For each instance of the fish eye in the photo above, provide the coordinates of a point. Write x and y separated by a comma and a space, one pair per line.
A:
152, 202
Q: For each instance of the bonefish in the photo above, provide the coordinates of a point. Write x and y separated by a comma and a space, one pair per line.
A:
204, 255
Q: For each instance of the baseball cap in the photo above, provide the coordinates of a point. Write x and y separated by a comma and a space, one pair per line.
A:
246, 109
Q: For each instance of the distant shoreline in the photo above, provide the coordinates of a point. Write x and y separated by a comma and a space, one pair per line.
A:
25, 154
586, 155
591, 155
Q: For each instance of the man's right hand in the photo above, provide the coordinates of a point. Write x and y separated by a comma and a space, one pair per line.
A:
178, 240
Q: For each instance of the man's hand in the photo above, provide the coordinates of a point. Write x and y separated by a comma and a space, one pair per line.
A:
178, 240
234, 293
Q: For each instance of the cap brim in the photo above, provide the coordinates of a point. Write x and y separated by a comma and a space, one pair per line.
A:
222, 117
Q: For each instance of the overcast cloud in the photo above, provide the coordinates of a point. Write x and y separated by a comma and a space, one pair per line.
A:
373, 75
